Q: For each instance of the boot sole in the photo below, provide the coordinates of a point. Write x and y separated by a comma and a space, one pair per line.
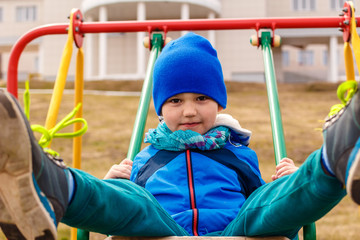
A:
22, 215
353, 180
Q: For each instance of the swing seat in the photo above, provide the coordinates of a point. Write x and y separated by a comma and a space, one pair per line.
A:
196, 238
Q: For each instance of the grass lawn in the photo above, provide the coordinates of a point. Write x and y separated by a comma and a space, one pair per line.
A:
111, 118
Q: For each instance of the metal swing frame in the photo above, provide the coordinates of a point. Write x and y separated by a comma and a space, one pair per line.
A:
264, 28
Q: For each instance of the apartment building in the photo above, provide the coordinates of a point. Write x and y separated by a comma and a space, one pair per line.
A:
42, 55
305, 55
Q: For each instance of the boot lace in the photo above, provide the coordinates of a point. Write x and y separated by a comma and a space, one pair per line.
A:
49, 134
345, 92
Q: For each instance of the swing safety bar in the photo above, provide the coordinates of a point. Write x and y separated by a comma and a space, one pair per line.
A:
141, 116
165, 26
309, 230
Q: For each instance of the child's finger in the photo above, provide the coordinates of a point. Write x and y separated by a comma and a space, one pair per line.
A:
127, 162
121, 170
286, 160
280, 171
284, 173
283, 165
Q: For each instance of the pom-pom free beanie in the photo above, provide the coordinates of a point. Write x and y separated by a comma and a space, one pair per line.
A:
188, 64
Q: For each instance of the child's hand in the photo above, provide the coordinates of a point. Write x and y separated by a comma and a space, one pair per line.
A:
122, 170
285, 167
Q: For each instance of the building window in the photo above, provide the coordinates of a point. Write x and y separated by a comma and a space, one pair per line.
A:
325, 58
26, 14
1, 14
304, 5
36, 64
306, 57
285, 58
336, 5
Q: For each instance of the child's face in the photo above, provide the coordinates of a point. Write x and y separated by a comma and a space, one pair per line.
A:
190, 111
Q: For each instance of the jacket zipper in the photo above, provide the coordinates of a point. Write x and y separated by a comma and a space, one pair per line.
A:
192, 193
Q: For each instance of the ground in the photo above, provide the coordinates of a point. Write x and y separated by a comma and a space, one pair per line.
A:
111, 118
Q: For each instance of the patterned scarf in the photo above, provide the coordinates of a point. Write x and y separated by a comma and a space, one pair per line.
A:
163, 138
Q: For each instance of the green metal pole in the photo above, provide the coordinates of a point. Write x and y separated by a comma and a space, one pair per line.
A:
274, 107
309, 231
142, 112
275, 115
141, 116
82, 234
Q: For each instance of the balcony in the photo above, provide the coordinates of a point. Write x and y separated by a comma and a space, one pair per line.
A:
118, 10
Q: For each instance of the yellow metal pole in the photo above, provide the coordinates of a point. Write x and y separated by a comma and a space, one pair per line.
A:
73, 233
56, 98
79, 86
349, 62
60, 80
355, 39
77, 141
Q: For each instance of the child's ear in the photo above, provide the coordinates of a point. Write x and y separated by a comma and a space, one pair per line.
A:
220, 108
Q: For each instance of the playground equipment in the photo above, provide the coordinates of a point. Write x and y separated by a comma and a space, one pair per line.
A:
265, 38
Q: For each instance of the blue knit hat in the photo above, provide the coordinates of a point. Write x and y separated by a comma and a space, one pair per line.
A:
188, 64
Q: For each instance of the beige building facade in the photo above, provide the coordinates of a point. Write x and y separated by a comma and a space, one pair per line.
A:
305, 55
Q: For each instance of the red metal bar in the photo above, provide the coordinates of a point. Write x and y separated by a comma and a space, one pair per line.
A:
164, 26
12, 80
210, 24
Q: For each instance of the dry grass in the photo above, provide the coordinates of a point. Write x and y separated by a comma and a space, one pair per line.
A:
111, 120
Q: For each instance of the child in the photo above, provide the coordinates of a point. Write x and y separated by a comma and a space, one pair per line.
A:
200, 182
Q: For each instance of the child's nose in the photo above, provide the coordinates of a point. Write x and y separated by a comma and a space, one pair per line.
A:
189, 110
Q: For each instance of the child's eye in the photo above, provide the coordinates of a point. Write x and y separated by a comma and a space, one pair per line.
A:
202, 98
174, 100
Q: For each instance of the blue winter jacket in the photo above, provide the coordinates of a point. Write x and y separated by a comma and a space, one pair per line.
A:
202, 190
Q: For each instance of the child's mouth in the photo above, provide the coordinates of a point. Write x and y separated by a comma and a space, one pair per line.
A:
190, 125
